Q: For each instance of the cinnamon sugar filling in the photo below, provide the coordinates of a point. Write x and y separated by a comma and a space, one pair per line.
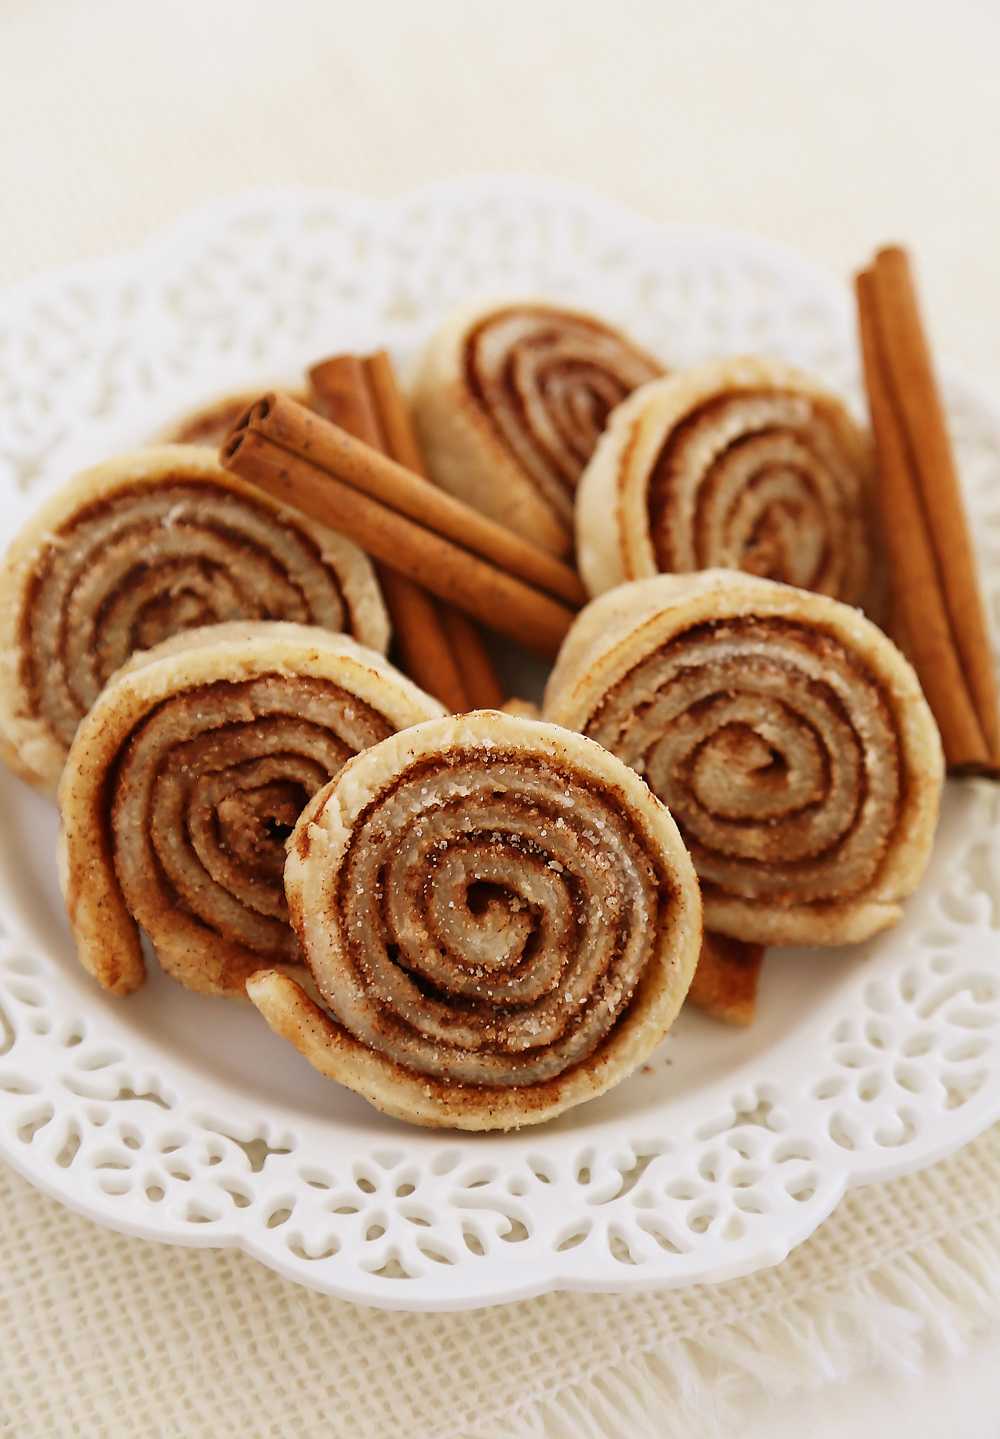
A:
207, 789
776, 751
759, 481
131, 570
546, 381
496, 914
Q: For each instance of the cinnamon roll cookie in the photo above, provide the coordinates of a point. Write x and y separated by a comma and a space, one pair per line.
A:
510, 402
136, 550
788, 735
186, 778
744, 464
500, 918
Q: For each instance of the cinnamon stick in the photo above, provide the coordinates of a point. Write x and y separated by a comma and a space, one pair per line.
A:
479, 676
483, 688
374, 374
400, 435
936, 605
341, 386
425, 649
325, 445
491, 595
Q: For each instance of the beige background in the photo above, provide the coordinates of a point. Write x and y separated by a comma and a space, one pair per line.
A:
829, 126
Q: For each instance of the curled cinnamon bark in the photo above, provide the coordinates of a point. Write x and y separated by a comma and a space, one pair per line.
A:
313, 440
323, 471
437, 646
937, 607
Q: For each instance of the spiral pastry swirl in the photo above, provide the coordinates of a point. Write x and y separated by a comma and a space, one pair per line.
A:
139, 549
510, 402
499, 916
787, 734
740, 464
185, 780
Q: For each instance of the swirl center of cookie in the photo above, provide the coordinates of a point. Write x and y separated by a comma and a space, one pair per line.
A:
210, 786
774, 750
147, 563
758, 482
496, 914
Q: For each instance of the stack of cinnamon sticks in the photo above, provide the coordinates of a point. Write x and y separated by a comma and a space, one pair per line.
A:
439, 647
414, 530
937, 610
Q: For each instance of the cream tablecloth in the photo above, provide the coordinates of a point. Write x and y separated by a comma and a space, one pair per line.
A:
829, 127
104, 1337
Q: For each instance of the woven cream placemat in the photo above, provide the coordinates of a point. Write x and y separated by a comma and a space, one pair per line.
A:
103, 1336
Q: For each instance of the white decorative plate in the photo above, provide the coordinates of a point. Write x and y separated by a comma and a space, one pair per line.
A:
182, 1118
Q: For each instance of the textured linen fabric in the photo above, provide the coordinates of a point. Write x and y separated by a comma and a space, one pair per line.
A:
101, 1335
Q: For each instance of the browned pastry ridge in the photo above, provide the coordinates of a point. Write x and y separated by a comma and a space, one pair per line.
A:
184, 781
787, 734
136, 550
510, 401
499, 917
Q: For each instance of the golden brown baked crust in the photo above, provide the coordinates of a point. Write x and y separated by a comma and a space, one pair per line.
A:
510, 401
787, 734
499, 916
137, 549
742, 464
186, 777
